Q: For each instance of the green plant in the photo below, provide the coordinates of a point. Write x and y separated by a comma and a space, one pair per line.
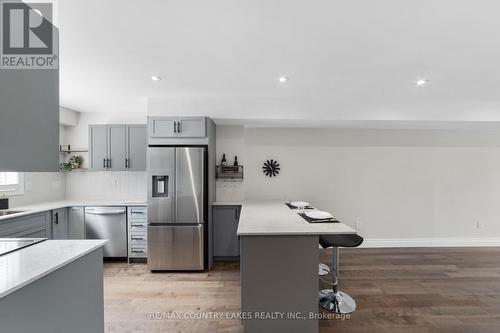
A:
74, 162
65, 167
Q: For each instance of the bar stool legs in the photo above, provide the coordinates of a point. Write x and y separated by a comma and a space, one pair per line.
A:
333, 299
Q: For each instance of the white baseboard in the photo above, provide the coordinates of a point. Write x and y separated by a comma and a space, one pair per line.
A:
431, 242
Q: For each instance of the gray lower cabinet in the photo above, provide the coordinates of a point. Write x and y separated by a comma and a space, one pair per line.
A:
137, 232
76, 223
60, 223
225, 226
117, 147
30, 226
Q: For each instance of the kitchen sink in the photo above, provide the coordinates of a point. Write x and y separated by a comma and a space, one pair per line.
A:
9, 212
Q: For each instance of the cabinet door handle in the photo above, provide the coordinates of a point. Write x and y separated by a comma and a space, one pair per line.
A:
138, 251
179, 127
109, 163
126, 163
56, 218
137, 225
104, 163
175, 127
138, 238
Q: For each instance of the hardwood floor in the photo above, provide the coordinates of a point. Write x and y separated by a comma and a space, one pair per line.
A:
420, 290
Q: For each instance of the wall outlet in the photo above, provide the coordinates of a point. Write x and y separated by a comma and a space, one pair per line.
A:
357, 225
28, 186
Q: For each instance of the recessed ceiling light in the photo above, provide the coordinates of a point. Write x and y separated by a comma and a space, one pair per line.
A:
421, 82
155, 78
283, 79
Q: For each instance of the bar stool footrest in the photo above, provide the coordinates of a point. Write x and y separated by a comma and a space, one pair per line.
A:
340, 302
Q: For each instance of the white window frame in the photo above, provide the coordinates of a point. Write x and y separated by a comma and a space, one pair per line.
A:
11, 190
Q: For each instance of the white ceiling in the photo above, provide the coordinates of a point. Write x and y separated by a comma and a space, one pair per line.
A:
351, 60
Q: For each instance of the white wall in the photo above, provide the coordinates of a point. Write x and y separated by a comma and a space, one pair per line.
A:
393, 184
231, 141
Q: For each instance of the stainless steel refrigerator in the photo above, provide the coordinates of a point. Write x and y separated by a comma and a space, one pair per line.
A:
176, 208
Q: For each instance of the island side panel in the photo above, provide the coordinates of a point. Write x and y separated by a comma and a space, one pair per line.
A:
279, 274
70, 299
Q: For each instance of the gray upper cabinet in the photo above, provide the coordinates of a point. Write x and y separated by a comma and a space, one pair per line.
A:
29, 120
225, 226
136, 147
117, 147
162, 127
98, 144
174, 127
60, 224
76, 223
191, 127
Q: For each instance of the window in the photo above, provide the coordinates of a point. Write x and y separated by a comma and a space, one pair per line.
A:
11, 183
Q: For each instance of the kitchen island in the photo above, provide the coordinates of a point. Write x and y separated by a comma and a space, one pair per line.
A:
53, 286
279, 267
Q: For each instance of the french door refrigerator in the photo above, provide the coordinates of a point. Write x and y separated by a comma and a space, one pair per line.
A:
176, 208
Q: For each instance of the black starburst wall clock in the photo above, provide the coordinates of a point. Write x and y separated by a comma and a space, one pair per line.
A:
271, 168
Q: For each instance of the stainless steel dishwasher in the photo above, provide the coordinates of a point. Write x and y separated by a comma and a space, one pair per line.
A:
108, 223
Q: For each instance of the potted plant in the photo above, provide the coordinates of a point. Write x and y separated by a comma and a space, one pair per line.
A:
74, 162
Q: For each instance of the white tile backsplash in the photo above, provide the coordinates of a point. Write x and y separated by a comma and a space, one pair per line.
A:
113, 185
230, 191
40, 187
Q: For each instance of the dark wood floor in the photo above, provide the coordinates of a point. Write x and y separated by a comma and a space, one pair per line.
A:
397, 290
421, 290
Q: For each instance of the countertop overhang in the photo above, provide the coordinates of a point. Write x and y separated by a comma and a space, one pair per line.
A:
273, 218
46, 206
22, 267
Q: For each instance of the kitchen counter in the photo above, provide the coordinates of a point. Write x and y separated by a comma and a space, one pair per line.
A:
226, 203
22, 267
46, 206
273, 217
53, 286
279, 266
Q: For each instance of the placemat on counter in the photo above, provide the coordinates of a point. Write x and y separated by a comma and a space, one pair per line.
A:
310, 220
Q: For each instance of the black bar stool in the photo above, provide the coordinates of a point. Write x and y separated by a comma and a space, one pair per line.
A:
333, 299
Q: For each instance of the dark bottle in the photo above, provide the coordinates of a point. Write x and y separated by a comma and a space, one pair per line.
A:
235, 160
223, 162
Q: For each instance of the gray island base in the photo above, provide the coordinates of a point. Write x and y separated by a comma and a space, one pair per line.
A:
53, 293
279, 278
279, 268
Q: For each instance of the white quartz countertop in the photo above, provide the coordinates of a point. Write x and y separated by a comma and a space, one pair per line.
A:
45, 206
227, 203
24, 266
273, 217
